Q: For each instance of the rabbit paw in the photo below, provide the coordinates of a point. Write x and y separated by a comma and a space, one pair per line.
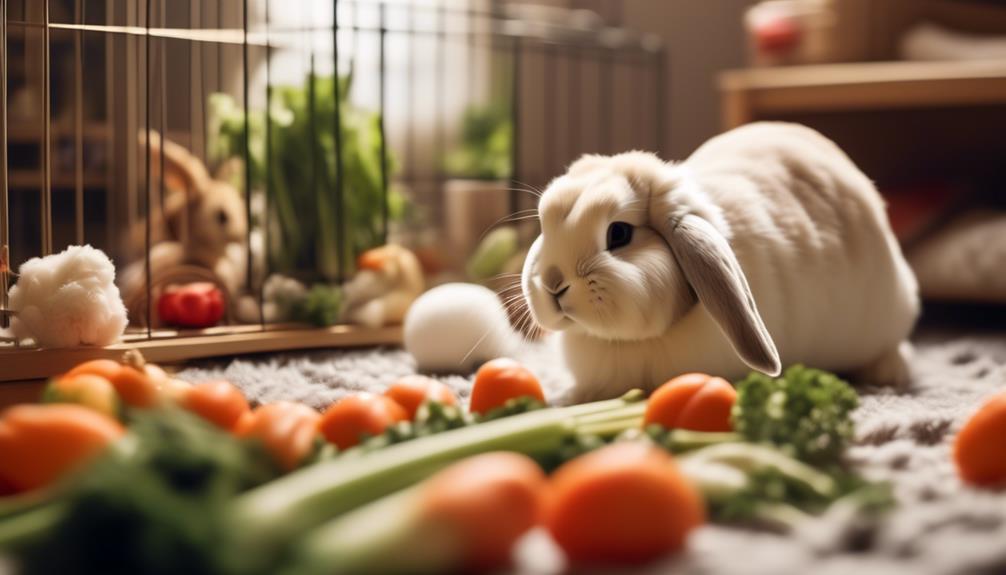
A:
892, 369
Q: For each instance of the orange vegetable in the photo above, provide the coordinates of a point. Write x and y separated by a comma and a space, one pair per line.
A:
693, 401
173, 389
39, 444
500, 380
412, 391
85, 389
135, 381
464, 519
374, 259
219, 402
487, 502
346, 421
980, 446
287, 430
624, 503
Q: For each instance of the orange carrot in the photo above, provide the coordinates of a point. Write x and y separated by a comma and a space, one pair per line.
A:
412, 391
42, 443
135, 381
219, 402
980, 446
287, 430
174, 389
624, 503
354, 416
85, 389
374, 259
466, 518
500, 380
487, 501
693, 401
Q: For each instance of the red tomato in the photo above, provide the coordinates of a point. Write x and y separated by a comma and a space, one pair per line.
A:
193, 305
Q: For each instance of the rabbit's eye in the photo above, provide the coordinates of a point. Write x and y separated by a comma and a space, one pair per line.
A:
222, 217
619, 234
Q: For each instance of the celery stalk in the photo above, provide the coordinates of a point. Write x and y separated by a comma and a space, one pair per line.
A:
385, 536
269, 517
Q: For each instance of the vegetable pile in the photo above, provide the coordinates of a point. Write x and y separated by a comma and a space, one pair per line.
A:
189, 478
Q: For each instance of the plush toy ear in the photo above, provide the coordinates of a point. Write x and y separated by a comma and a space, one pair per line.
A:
710, 266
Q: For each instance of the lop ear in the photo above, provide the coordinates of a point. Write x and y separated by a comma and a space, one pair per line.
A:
711, 268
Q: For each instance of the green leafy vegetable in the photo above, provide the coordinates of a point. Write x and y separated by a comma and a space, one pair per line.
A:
320, 306
806, 412
302, 176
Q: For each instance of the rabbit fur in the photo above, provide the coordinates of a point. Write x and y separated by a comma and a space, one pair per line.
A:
766, 247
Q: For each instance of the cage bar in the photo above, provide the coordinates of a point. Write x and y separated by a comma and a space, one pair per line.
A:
340, 237
267, 180
78, 121
4, 200
249, 260
382, 109
148, 244
515, 123
46, 207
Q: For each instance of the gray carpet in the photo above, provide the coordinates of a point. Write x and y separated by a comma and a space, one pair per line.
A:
938, 527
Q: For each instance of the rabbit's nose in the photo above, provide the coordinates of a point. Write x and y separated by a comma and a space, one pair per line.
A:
553, 280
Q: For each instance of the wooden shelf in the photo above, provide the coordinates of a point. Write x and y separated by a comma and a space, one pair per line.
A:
167, 346
766, 92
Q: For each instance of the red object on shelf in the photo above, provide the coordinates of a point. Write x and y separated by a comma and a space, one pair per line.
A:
193, 305
778, 36
913, 209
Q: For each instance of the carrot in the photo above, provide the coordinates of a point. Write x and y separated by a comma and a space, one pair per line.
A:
286, 429
412, 391
174, 389
354, 416
374, 259
219, 402
506, 487
500, 380
465, 518
624, 503
39, 444
694, 401
980, 446
135, 381
85, 389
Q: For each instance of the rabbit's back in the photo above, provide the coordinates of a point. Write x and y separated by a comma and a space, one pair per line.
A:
811, 233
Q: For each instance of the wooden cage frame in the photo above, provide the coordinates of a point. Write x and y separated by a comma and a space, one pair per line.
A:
607, 47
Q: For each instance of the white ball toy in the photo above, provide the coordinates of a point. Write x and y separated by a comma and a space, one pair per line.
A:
454, 327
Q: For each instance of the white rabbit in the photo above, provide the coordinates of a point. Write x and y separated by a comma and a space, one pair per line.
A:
766, 247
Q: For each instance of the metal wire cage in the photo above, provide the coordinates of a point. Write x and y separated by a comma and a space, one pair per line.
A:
327, 127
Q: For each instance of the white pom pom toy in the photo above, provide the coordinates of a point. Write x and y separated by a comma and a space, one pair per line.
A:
454, 327
68, 299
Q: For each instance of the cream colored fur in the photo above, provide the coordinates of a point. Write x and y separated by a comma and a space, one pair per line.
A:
807, 228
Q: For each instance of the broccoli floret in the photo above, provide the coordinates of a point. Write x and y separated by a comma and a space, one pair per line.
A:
806, 413
320, 307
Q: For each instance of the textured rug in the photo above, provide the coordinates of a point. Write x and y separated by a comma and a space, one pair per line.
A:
938, 527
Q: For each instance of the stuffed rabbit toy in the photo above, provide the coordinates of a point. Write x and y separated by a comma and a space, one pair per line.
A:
766, 247
197, 223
